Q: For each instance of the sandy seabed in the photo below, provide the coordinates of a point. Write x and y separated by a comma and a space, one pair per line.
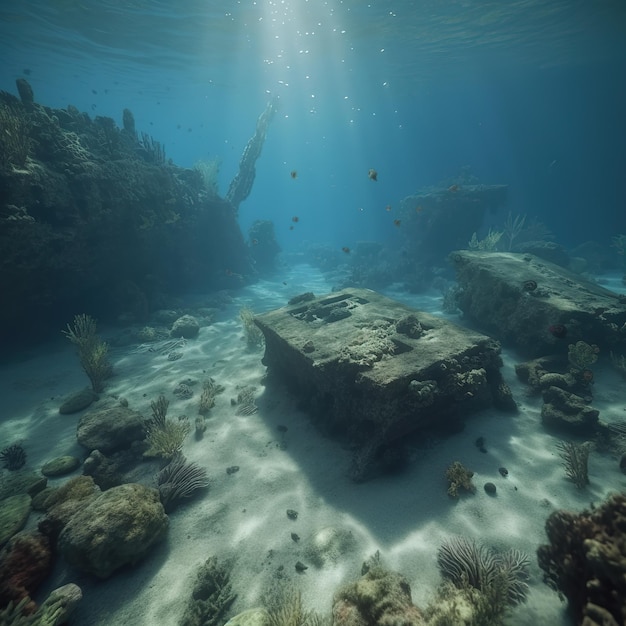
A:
242, 516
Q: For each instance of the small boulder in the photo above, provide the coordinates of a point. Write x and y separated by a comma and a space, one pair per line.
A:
186, 326
109, 430
14, 512
60, 466
118, 528
78, 401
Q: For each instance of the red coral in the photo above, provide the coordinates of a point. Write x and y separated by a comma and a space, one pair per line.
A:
25, 561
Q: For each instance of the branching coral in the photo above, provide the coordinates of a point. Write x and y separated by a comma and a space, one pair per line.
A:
459, 477
210, 390
488, 244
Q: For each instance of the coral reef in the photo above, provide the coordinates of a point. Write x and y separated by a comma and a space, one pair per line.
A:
459, 477
211, 596
586, 561
94, 213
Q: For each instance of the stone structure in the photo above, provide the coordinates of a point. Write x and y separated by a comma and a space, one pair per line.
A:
373, 369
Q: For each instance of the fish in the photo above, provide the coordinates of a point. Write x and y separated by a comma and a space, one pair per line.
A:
291, 227
453, 188
397, 222
372, 174
255, 242
419, 209
294, 174
346, 249
558, 330
388, 208
295, 219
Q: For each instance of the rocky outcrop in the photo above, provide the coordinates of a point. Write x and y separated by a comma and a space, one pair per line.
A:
118, 528
586, 561
109, 430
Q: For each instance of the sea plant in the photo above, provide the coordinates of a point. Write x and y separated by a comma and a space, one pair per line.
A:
575, 458
488, 244
179, 479
165, 437
92, 351
13, 457
492, 582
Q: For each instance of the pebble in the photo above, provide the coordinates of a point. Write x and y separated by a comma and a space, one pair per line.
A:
490, 488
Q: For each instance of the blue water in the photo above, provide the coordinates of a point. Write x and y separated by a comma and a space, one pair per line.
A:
529, 93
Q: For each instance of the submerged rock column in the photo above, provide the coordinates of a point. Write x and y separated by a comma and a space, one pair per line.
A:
241, 185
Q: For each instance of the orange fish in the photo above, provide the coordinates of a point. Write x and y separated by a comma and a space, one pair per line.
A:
372, 174
346, 249
453, 188
294, 174
397, 222
388, 207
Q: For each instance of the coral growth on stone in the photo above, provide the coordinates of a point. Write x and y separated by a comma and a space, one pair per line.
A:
585, 560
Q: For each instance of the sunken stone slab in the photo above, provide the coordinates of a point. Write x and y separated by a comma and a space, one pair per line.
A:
517, 297
374, 369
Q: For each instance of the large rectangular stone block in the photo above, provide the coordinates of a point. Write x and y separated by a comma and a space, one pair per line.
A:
374, 369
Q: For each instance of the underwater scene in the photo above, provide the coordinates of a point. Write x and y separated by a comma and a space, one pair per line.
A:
313, 312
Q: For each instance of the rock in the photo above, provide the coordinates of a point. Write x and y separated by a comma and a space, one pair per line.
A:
490, 488
378, 598
251, 617
585, 560
104, 470
380, 370
563, 410
111, 429
547, 250
118, 528
186, 326
492, 295
78, 401
25, 562
59, 605
76, 494
14, 512
16, 483
60, 466
39, 501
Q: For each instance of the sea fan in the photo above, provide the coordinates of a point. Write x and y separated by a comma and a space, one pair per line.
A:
179, 479
463, 562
